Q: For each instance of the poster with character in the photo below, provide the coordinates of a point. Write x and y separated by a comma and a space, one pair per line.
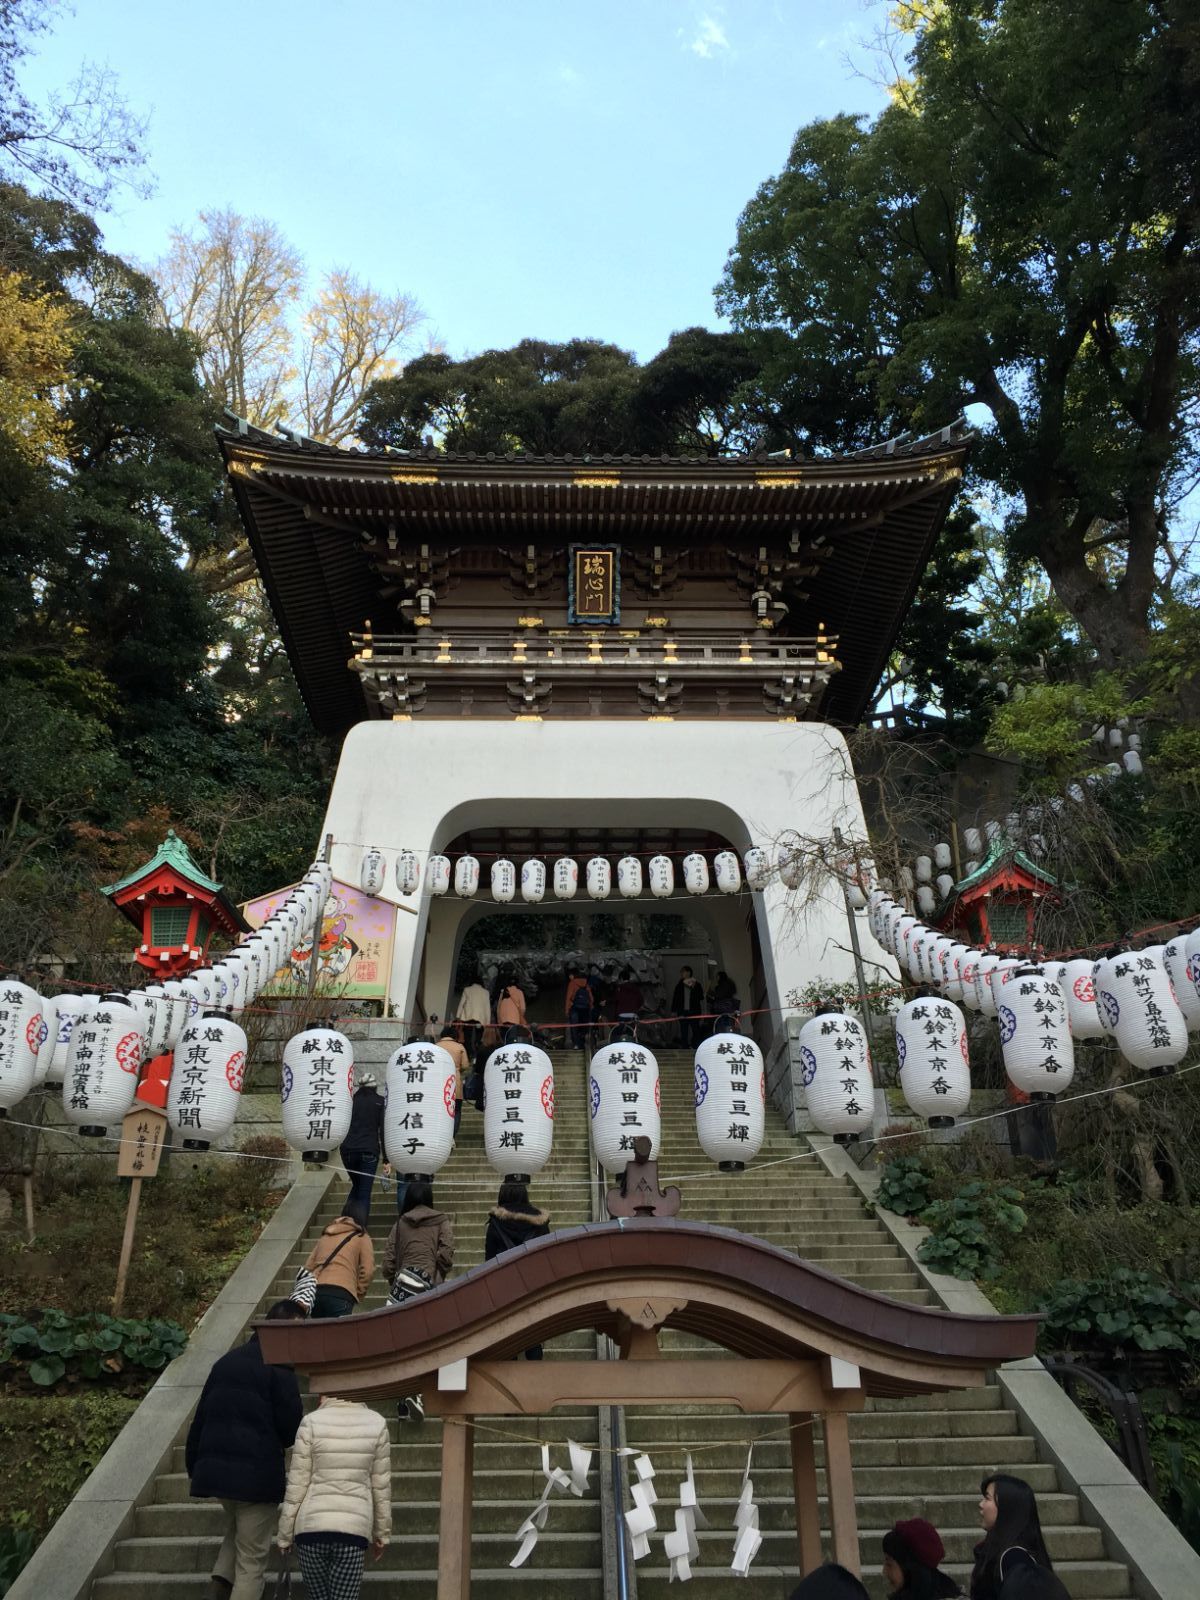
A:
354, 951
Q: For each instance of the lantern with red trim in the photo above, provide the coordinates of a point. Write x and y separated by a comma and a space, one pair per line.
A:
1077, 981
47, 1038
418, 1120
314, 1091
207, 1074
624, 1102
518, 1112
731, 1088
931, 1046
1133, 997
970, 961
1187, 994
1035, 1036
21, 1023
103, 1062
836, 1075
566, 878
985, 1000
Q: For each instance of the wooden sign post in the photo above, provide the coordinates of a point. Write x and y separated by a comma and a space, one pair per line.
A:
142, 1134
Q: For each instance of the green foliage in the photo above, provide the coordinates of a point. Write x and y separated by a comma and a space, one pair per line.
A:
970, 1230
1049, 728
18, 1541
1122, 1311
1175, 1448
50, 1345
48, 1446
904, 1186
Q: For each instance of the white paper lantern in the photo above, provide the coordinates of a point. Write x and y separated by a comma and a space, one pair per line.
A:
599, 878
159, 1018
931, 1046
791, 866
372, 872
758, 868
944, 884
20, 1040
836, 1075
625, 1100
47, 1039
180, 1006
695, 873
1077, 981
731, 1092
408, 872
973, 841
69, 1007
103, 1062
942, 857
907, 881
194, 991
518, 1114
903, 936
533, 881
418, 1120
662, 876
728, 871
1187, 996
1035, 1036
923, 869
207, 1075
504, 881
437, 875
917, 939
926, 900
466, 877
970, 996
985, 1000
1001, 975
566, 878
629, 876
952, 969
316, 1083
1133, 997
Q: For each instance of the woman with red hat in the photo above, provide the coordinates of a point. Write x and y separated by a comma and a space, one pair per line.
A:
912, 1556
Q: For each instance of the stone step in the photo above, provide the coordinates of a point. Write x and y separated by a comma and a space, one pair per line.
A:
1083, 1580
579, 1551
722, 1423
499, 1583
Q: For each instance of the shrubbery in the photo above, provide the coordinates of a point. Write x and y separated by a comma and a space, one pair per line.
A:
91, 1348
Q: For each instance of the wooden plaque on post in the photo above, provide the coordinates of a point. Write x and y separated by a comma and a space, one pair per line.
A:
142, 1136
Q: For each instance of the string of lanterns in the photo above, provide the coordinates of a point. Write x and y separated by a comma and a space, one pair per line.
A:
1146, 1001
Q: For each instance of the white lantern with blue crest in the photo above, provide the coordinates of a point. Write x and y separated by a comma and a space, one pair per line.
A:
731, 1090
624, 1102
836, 1074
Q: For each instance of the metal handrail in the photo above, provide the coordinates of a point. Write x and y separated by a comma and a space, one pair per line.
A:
1126, 1411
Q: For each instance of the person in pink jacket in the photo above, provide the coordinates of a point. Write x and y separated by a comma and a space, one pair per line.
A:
339, 1497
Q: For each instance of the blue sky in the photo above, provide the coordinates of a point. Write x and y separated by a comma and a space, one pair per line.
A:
532, 169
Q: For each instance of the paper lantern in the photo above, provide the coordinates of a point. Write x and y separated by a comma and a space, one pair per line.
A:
504, 881
926, 900
599, 878
408, 872
695, 873
518, 1113
1001, 974
1187, 996
1035, 1036
418, 1120
923, 869
69, 1008
791, 866
629, 876
194, 994
903, 933
972, 841
836, 1075
952, 970
985, 1000
180, 1007
103, 1062
931, 1047
1078, 984
731, 1091
316, 1083
372, 871
1133, 997
662, 876
944, 884
566, 878
466, 877
624, 1099
437, 875
758, 868
21, 1024
917, 939
47, 1039
207, 1074
727, 870
533, 881
942, 857
159, 1018
968, 966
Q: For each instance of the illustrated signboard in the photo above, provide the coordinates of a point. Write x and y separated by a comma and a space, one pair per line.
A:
354, 955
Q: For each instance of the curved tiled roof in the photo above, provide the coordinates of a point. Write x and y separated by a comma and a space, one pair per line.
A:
749, 1296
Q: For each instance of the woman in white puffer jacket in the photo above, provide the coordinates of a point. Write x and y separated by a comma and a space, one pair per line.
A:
339, 1497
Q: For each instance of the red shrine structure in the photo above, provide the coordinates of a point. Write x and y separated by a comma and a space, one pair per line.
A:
996, 906
175, 908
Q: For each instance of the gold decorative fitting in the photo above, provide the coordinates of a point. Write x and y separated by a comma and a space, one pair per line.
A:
660, 718
529, 622
777, 480
415, 475
658, 622
527, 716
401, 716
766, 622
422, 622
595, 480
365, 655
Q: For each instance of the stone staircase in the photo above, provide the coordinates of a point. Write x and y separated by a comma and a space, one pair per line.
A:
911, 1457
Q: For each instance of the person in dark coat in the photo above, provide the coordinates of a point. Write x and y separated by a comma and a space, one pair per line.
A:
830, 1582
362, 1149
686, 1005
247, 1417
912, 1556
1012, 1537
514, 1220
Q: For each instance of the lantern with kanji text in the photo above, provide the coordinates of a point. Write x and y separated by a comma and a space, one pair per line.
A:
836, 1074
418, 1120
730, 1094
518, 1112
207, 1074
624, 1102
1133, 997
316, 1084
931, 1047
104, 1059
21, 1023
1035, 1035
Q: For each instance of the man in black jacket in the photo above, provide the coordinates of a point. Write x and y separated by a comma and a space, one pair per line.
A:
247, 1417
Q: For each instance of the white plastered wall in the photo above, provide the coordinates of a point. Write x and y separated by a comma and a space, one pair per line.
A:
418, 785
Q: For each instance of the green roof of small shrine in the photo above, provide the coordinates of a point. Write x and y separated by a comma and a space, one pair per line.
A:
1002, 850
172, 852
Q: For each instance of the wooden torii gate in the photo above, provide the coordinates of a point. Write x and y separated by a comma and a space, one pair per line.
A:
802, 1343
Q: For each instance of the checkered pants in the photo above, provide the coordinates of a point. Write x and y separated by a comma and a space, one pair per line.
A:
332, 1570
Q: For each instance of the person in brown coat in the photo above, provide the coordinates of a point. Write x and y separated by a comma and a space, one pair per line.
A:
462, 1063
343, 1260
421, 1242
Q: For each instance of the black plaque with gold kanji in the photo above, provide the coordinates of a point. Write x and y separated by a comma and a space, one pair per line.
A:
594, 586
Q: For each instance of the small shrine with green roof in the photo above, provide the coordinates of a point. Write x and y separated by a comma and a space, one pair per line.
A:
175, 907
995, 906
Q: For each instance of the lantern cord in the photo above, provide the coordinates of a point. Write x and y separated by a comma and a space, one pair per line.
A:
810, 1154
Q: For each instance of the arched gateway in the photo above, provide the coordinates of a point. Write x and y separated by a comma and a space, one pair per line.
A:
802, 1343
544, 656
